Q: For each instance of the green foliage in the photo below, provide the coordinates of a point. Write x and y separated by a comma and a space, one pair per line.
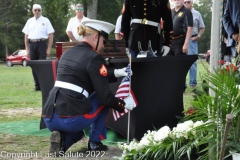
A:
226, 100
204, 7
14, 15
57, 12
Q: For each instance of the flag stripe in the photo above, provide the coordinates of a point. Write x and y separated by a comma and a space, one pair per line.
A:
123, 92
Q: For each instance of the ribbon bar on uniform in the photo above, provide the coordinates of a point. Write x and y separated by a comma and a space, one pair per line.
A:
72, 87
145, 21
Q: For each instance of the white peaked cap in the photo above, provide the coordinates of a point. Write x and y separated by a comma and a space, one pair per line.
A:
37, 6
104, 28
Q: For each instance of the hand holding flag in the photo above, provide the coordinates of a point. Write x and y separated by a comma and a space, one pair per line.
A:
124, 92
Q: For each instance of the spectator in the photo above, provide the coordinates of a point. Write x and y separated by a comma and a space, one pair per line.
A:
144, 18
82, 72
37, 30
231, 22
182, 28
74, 23
117, 31
198, 30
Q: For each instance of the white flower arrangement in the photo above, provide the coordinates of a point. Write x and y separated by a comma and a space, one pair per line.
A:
135, 149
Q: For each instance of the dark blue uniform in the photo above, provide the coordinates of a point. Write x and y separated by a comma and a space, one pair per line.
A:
141, 22
68, 109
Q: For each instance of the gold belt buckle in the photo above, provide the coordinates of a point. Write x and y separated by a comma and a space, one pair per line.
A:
144, 21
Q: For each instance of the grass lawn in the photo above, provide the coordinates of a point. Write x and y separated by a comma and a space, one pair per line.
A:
16, 85
19, 103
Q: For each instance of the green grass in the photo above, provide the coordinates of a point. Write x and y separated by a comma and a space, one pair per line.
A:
16, 85
187, 96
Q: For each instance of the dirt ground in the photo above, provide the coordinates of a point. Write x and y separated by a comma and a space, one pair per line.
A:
73, 153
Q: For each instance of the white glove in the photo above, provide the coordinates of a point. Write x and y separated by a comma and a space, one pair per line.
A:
129, 103
165, 50
120, 72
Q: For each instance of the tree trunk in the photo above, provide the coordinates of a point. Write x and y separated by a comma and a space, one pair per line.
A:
6, 5
92, 9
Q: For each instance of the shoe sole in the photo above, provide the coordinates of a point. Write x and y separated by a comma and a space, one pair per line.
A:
55, 140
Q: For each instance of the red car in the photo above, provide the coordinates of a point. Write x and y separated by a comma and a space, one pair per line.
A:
207, 57
18, 57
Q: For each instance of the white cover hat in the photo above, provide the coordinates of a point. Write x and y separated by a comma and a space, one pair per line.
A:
37, 6
103, 28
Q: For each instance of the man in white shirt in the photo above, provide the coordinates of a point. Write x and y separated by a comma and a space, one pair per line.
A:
37, 30
117, 31
75, 22
118, 28
198, 30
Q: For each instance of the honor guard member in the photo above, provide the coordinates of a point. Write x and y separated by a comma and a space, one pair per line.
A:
81, 96
37, 30
182, 28
141, 23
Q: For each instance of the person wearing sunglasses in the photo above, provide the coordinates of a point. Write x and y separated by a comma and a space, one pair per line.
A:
81, 96
38, 30
74, 23
198, 30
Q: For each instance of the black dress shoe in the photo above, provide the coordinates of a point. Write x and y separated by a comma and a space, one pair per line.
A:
97, 146
57, 140
36, 89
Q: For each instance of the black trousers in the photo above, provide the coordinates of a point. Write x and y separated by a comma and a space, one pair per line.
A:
176, 49
176, 46
37, 51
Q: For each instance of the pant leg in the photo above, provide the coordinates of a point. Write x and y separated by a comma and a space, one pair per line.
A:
73, 127
53, 124
34, 56
42, 50
193, 50
233, 50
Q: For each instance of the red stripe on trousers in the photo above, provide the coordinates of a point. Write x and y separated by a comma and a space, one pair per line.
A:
95, 113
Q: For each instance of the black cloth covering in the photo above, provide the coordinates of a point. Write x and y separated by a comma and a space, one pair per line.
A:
156, 82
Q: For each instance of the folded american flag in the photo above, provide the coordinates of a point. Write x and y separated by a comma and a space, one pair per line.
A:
124, 91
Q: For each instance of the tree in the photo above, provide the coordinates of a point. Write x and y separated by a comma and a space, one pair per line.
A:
204, 7
57, 12
14, 15
92, 6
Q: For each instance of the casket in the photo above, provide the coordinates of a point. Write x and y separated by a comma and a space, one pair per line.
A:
115, 49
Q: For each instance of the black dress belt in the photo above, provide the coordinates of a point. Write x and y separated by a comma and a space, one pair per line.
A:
194, 35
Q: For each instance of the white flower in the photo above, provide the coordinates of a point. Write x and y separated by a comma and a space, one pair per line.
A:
145, 141
198, 123
184, 130
189, 124
161, 134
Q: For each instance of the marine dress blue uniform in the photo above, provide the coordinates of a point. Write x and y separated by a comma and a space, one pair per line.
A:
69, 109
